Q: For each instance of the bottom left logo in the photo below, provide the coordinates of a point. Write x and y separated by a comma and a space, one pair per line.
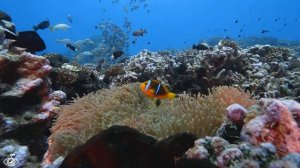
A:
11, 161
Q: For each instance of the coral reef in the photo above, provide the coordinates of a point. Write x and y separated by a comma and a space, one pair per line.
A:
271, 139
11, 148
25, 80
73, 79
127, 105
27, 101
277, 126
264, 70
232, 127
221, 153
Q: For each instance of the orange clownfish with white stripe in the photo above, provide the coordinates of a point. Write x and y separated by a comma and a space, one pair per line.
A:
155, 90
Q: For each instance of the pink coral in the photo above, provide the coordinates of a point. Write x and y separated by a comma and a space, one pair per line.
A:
50, 105
236, 113
276, 126
34, 66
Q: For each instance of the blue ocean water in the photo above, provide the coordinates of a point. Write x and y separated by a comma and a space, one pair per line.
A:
170, 24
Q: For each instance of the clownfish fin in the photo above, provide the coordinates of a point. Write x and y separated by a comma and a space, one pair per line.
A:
157, 102
157, 89
171, 95
148, 85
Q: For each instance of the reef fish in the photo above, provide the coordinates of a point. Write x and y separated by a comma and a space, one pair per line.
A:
42, 25
30, 40
117, 54
60, 26
139, 32
155, 90
72, 47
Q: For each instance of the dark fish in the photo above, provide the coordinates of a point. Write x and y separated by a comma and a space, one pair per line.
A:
30, 40
148, 43
4, 16
117, 54
264, 31
139, 32
133, 42
73, 48
236, 21
259, 19
224, 30
42, 25
200, 46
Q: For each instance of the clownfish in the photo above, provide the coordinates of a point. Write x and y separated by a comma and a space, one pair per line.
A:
155, 90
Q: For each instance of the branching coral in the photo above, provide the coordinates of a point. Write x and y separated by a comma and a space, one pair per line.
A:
126, 105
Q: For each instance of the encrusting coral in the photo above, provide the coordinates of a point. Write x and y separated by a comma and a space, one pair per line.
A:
127, 105
277, 126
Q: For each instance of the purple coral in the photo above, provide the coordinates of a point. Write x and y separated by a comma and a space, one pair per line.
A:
229, 156
236, 113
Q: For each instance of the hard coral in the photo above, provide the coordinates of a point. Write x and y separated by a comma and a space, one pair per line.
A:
277, 126
27, 75
74, 79
127, 105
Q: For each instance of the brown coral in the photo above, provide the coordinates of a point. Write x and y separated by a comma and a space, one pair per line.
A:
115, 70
127, 105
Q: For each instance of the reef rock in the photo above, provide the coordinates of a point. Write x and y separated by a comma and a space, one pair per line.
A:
121, 146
